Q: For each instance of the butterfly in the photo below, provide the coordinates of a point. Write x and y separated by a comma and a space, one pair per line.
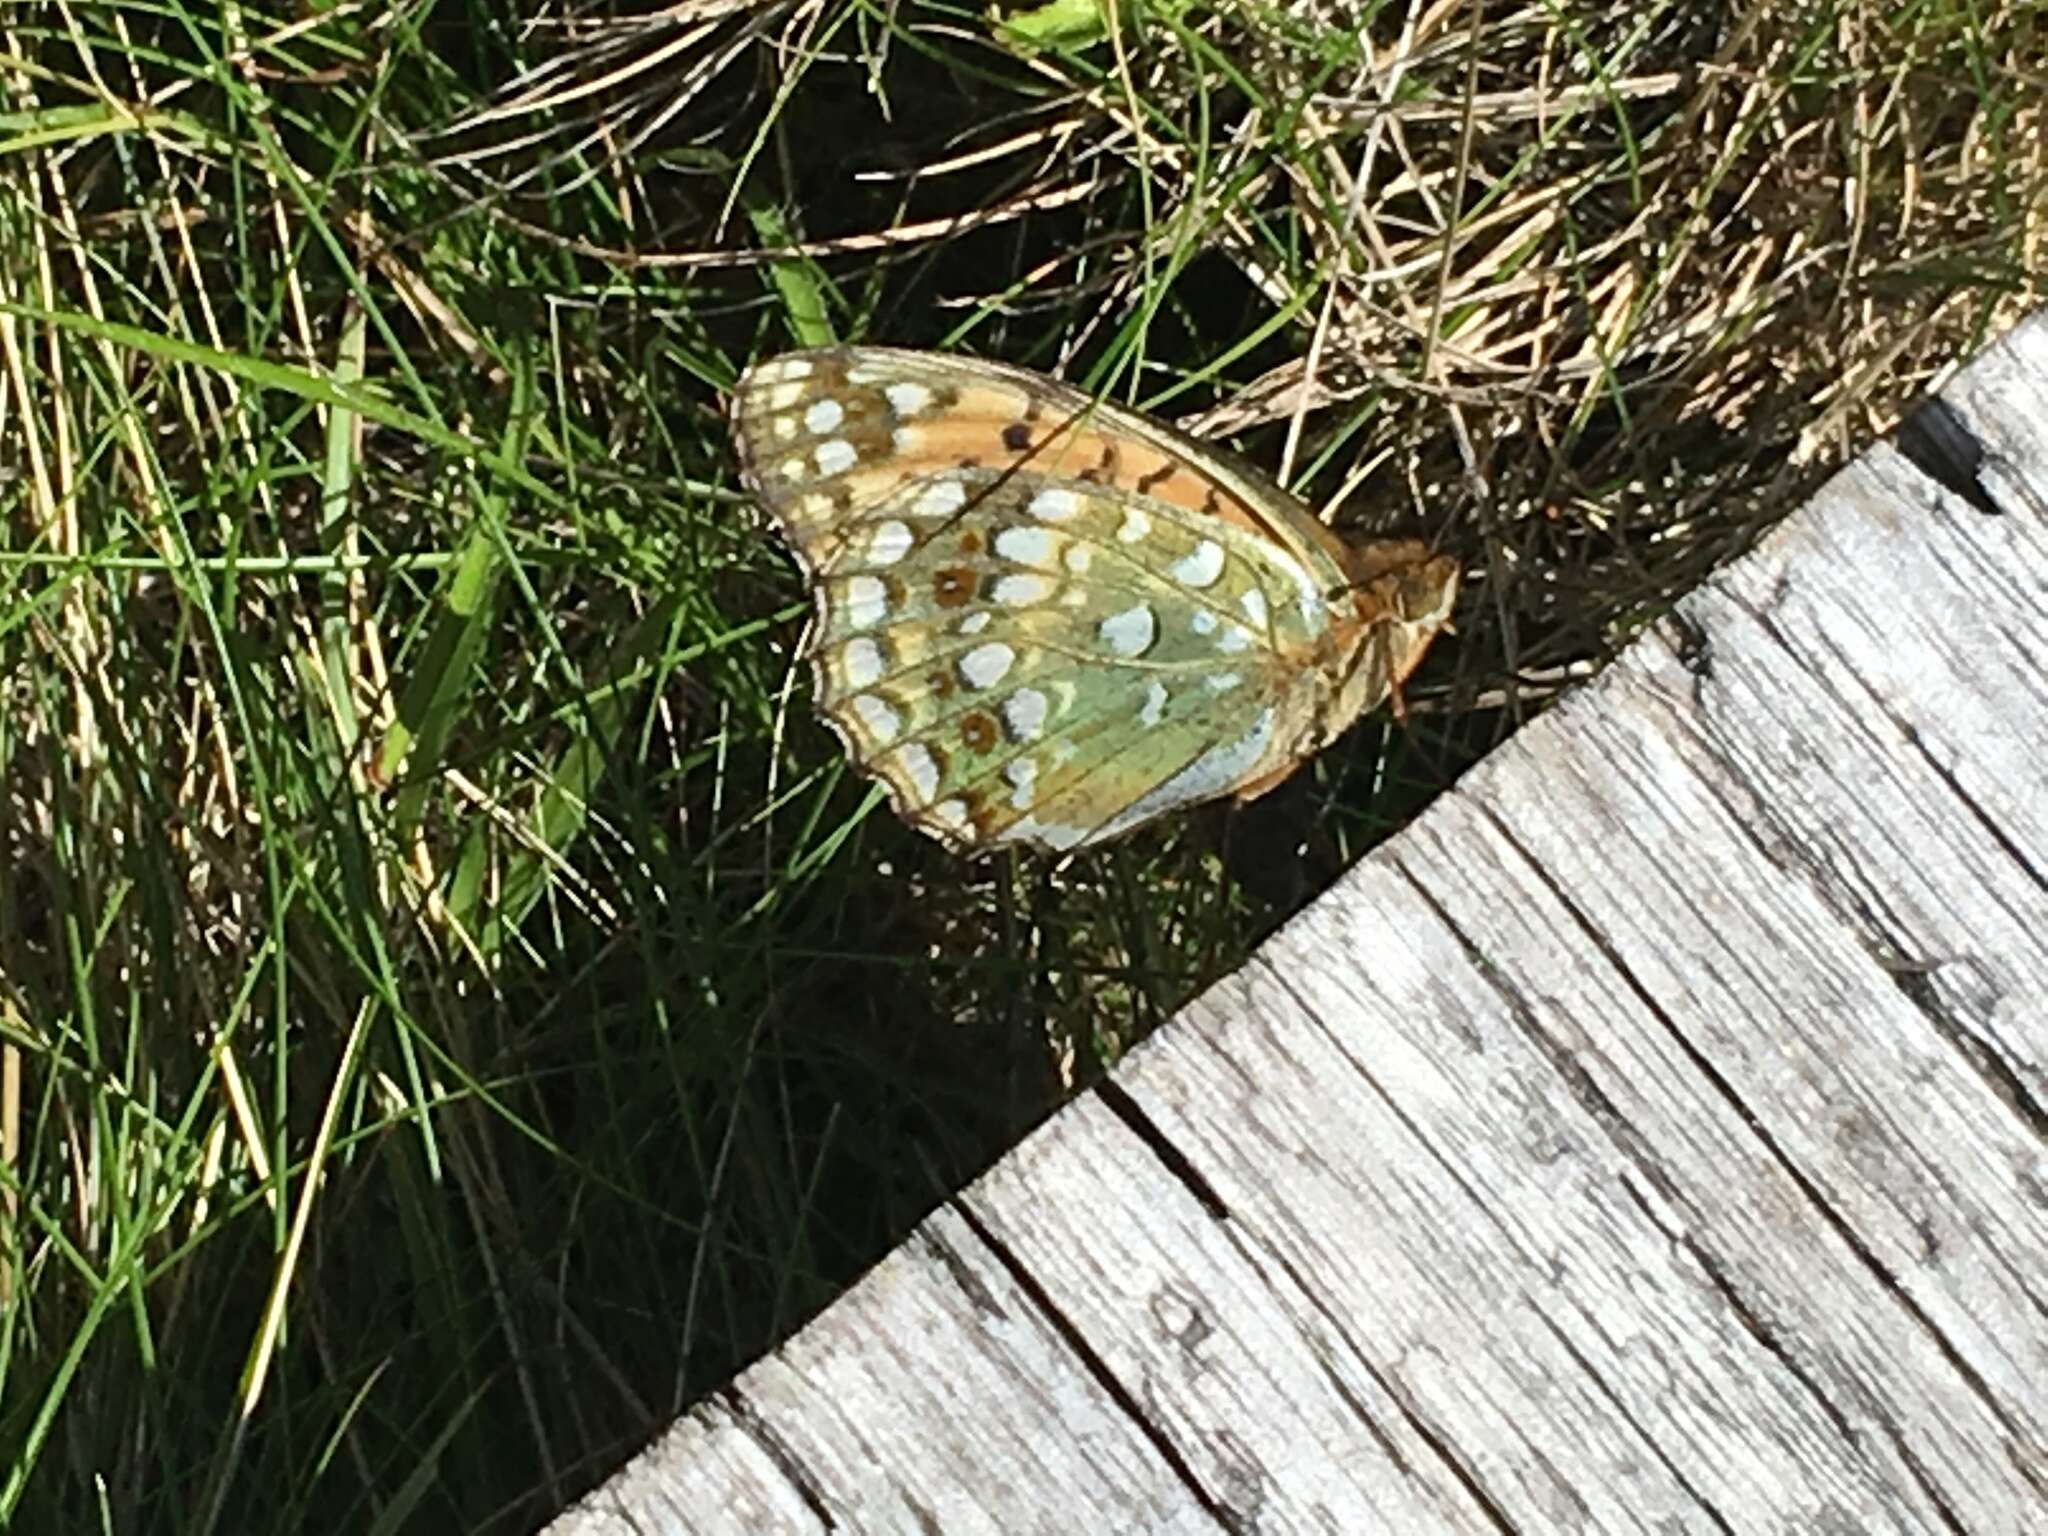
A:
1046, 620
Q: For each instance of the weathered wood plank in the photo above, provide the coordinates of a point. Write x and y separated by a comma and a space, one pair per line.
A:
1231, 1352
959, 1407
1652, 1138
707, 1473
1869, 812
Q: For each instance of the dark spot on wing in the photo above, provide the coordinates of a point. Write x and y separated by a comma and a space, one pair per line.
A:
952, 586
1017, 437
978, 732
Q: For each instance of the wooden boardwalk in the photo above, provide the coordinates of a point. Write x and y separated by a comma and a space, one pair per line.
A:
1653, 1138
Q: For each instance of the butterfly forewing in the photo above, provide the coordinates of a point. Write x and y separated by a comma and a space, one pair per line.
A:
1040, 619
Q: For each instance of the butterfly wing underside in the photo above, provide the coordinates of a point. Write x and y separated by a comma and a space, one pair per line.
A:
1041, 620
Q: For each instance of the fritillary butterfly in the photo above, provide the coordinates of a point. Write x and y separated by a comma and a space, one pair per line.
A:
1045, 620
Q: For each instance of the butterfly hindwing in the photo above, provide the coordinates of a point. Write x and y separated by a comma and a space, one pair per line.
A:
1040, 620
1035, 676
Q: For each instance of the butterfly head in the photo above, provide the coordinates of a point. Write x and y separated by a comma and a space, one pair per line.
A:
1400, 598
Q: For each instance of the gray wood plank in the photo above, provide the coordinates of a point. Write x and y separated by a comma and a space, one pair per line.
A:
1475, 1247
937, 1395
1232, 1353
1653, 1138
1858, 789
708, 1473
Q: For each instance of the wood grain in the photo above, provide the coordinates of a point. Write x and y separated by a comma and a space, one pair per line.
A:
1653, 1138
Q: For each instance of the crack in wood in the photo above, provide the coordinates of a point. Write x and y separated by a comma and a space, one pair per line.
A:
1258, 1257
960, 1272
1619, 1404
1917, 988
1119, 1102
1390, 1102
1578, 1082
1975, 807
1092, 1362
757, 1429
1441, 1445
1825, 1208
1938, 440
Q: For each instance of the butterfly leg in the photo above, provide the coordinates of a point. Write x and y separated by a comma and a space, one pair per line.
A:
1397, 705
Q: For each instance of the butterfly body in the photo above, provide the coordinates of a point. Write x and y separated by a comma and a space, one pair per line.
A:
1046, 620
